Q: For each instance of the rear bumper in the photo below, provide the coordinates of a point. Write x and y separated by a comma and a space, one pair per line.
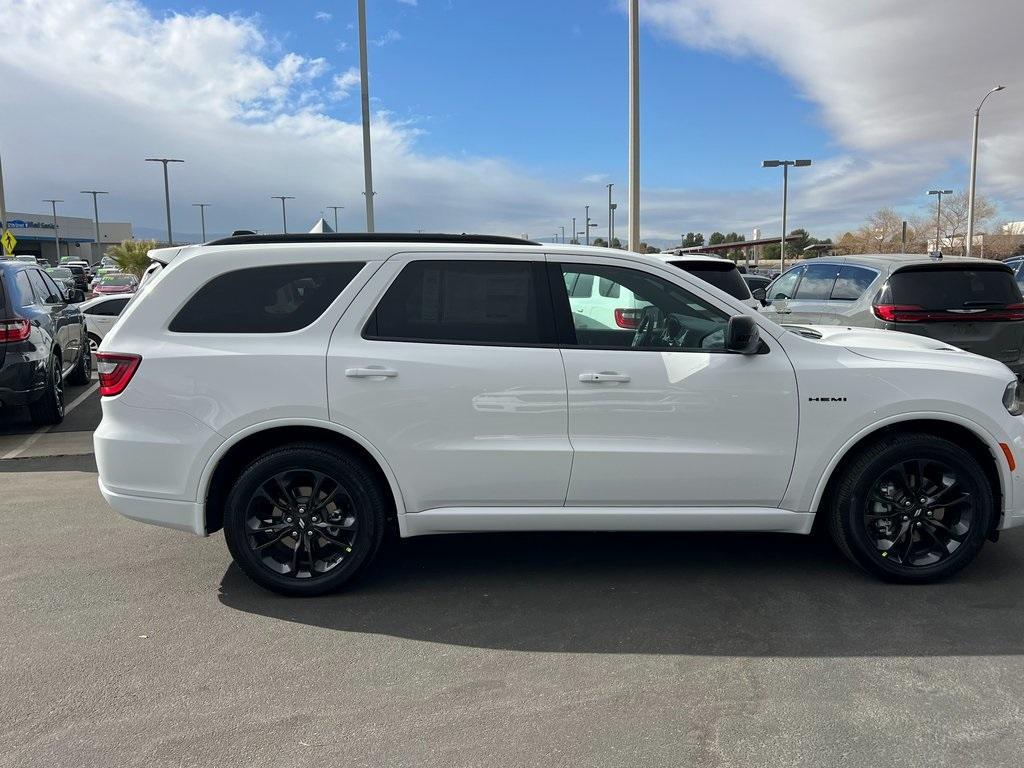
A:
21, 380
180, 515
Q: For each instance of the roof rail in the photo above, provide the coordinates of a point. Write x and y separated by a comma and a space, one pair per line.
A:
371, 237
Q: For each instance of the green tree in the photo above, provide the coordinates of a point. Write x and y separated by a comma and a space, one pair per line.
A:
131, 255
600, 242
717, 238
616, 243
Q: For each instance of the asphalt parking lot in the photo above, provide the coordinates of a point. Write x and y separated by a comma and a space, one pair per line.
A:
128, 645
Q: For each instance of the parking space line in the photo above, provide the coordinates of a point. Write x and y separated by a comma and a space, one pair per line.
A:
34, 437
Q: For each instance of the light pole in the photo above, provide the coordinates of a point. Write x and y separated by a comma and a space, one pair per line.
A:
614, 208
284, 213
938, 215
3, 205
586, 228
610, 209
336, 208
634, 125
167, 190
96, 217
563, 234
56, 236
573, 233
364, 88
202, 216
974, 170
785, 199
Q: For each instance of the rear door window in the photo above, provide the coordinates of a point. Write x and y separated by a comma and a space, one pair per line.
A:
275, 299
954, 287
817, 283
24, 295
466, 302
852, 282
109, 308
725, 276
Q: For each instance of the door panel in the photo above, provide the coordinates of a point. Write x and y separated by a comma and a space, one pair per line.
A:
682, 425
460, 424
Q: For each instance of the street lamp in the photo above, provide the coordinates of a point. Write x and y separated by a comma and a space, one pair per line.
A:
586, 228
785, 195
167, 190
572, 234
96, 217
364, 95
56, 236
563, 234
614, 207
284, 213
938, 215
611, 226
974, 170
336, 208
202, 216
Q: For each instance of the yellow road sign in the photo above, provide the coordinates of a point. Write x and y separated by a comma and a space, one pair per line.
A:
9, 241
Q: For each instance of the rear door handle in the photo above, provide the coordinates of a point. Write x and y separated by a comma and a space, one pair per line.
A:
597, 378
365, 373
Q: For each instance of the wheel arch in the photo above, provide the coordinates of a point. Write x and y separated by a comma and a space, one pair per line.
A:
966, 434
244, 446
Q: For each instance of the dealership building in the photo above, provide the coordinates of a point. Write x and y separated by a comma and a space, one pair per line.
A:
37, 236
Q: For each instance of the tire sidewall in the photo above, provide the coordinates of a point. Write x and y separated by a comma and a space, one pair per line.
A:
969, 472
358, 482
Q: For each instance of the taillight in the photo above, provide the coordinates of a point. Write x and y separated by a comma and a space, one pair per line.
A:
17, 329
897, 313
906, 313
628, 318
115, 371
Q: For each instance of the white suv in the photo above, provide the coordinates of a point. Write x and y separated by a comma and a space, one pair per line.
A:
307, 392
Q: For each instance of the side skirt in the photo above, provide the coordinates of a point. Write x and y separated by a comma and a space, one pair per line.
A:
511, 519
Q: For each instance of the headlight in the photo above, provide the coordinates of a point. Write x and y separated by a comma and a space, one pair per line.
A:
1013, 398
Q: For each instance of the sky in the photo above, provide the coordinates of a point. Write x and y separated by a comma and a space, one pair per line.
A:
499, 117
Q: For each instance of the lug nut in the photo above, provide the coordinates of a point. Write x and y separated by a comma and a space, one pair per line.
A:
315, 519
918, 524
905, 518
310, 533
287, 519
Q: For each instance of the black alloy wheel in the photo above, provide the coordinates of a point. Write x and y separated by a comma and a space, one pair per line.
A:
303, 520
912, 508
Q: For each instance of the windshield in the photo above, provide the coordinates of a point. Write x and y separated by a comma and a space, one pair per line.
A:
953, 287
725, 277
60, 272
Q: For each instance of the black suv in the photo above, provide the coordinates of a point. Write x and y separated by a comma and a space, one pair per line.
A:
42, 341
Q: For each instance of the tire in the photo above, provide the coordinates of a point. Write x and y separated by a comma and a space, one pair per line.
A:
94, 342
81, 374
48, 408
879, 518
329, 556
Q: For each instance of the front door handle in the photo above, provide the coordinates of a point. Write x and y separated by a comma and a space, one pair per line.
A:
597, 378
373, 370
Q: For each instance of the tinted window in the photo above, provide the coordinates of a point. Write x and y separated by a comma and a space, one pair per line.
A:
465, 302
51, 287
265, 299
607, 288
852, 282
724, 276
817, 282
953, 287
653, 314
111, 308
24, 296
43, 293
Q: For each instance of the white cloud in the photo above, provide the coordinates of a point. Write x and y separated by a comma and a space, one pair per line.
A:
595, 178
345, 82
409, 2
896, 81
322, 16
341, 46
391, 36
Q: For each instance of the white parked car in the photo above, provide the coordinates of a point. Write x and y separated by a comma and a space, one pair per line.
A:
100, 315
307, 392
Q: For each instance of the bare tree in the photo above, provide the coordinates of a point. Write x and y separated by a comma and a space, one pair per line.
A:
953, 222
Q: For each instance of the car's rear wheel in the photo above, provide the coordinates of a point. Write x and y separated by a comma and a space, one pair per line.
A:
304, 520
914, 508
94, 343
48, 408
81, 374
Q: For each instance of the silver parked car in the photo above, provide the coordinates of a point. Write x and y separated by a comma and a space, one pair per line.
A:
973, 304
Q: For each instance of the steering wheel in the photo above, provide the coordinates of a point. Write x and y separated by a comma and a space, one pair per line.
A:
649, 322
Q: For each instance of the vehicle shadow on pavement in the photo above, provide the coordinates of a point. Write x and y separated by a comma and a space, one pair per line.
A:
698, 594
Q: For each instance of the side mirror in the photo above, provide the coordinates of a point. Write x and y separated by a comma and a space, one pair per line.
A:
742, 335
760, 295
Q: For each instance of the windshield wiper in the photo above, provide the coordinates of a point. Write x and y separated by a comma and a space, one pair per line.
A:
984, 304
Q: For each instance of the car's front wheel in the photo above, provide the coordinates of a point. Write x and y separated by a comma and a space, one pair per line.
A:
914, 508
304, 519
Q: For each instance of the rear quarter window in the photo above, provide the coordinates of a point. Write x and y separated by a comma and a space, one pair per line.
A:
275, 299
